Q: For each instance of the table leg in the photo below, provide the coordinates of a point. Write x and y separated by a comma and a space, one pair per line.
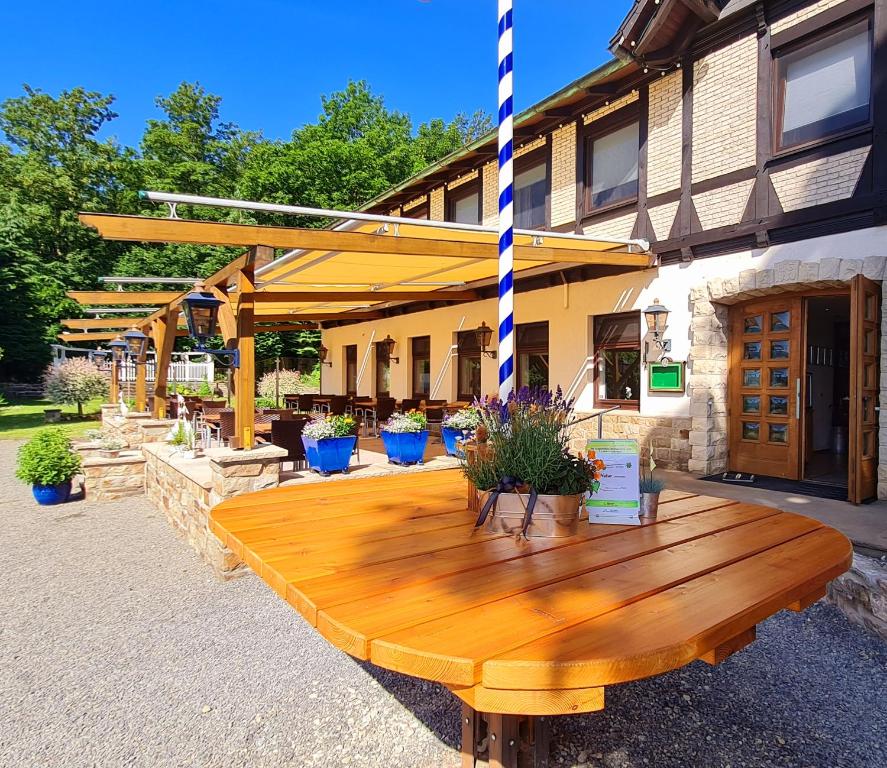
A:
469, 736
507, 741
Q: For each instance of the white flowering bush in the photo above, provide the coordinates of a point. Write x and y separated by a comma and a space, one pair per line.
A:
289, 382
463, 419
75, 382
414, 421
321, 427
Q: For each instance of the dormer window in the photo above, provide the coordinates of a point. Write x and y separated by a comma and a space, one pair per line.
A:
823, 86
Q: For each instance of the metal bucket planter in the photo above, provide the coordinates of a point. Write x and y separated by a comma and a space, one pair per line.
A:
405, 447
329, 454
51, 494
450, 436
649, 506
553, 516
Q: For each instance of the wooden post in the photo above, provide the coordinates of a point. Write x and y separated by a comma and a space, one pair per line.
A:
245, 378
163, 331
141, 382
115, 381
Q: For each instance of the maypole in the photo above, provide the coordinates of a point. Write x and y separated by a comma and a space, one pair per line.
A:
506, 203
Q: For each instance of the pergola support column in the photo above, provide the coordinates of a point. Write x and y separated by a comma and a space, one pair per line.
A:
142, 382
114, 391
163, 331
245, 376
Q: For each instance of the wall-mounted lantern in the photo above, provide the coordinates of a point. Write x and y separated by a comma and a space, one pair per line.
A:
656, 316
118, 350
201, 310
388, 344
136, 343
322, 354
484, 336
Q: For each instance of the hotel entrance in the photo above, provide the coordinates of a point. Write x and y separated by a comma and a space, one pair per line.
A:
804, 387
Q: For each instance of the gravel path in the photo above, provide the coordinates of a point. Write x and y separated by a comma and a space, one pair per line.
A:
117, 648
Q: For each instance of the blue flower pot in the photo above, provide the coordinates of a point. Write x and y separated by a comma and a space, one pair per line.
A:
405, 447
52, 494
450, 436
329, 454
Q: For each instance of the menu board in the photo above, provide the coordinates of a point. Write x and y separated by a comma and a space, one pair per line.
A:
617, 497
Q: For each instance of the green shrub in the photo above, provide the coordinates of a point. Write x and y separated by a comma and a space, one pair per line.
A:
47, 458
265, 402
205, 390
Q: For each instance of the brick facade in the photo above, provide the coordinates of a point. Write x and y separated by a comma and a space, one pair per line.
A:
462, 179
820, 181
490, 181
620, 226
791, 19
662, 218
724, 205
436, 205
610, 107
664, 135
563, 175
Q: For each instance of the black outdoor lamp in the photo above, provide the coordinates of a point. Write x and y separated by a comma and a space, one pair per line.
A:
118, 350
322, 353
388, 343
99, 354
484, 336
201, 311
136, 343
656, 316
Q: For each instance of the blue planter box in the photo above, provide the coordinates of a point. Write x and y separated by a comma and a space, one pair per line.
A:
52, 494
405, 447
450, 436
331, 454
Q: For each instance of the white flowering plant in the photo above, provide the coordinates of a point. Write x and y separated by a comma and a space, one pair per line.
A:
413, 421
321, 427
465, 419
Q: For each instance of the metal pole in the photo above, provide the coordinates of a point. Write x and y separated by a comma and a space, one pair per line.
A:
506, 202
277, 383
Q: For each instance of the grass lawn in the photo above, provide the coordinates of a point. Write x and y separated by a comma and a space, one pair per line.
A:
21, 419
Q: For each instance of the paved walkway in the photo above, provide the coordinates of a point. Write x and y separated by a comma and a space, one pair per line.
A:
117, 648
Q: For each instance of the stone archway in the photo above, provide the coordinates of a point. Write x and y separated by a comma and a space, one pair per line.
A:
707, 378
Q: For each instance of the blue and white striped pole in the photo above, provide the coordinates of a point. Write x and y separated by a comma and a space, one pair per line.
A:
506, 203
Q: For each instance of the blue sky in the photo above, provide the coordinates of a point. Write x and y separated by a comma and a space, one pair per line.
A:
271, 60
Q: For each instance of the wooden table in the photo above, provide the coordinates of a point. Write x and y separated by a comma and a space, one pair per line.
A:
390, 570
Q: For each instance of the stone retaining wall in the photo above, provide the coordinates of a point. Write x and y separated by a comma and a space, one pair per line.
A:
861, 594
107, 479
667, 435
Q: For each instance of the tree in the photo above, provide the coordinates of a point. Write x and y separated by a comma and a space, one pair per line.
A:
75, 382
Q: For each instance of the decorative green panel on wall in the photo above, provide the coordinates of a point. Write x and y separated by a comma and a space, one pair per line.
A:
666, 377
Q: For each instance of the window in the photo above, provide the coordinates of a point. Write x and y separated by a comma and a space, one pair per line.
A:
351, 369
463, 203
532, 355
530, 193
421, 355
617, 349
611, 175
383, 371
468, 385
824, 86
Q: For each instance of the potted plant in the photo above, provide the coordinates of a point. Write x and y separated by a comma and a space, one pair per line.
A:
183, 438
532, 484
48, 463
650, 490
329, 442
110, 447
462, 424
405, 436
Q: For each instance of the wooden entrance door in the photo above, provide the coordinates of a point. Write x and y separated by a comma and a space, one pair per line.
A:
764, 388
865, 323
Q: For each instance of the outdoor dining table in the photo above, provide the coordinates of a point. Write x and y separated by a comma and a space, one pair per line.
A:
391, 570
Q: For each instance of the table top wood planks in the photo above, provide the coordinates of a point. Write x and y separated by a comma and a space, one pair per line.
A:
391, 570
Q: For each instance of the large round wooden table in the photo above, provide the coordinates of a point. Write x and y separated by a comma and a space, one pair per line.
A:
390, 570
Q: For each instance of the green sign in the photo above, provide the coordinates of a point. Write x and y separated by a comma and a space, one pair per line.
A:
666, 377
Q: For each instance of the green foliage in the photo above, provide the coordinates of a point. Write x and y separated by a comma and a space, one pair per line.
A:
265, 402
651, 485
47, 459
53, 164
205, 390
75, 382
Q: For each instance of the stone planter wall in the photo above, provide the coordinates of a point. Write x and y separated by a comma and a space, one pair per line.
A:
125, 428
861, 594
185, 490
668, 436
107, 479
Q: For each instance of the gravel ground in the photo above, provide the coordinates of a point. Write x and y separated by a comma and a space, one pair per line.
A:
117, 648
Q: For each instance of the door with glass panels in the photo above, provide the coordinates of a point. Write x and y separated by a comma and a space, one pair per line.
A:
766, 357
865, 343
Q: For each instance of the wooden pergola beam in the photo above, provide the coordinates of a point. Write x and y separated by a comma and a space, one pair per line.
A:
100, 336
121, 298
152, 230
286, 297
284, 328
87, 323
316, 317
164, 343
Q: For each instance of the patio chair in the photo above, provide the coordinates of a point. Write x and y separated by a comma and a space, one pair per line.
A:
266, 418
291, 401
355, 430
338, 404
411, 404
305, 403
434, 414
381, 412
287, 434
226, 424
172, 407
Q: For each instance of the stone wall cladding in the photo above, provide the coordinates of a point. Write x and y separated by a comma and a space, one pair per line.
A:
820, 181
668, 436
724, 109
563, 175
861, 594
664, 135
723, 206
662, 219
436, 205
804, 13
490, 182
707, 368
619, 227
622, 101
126, 428
107, 479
